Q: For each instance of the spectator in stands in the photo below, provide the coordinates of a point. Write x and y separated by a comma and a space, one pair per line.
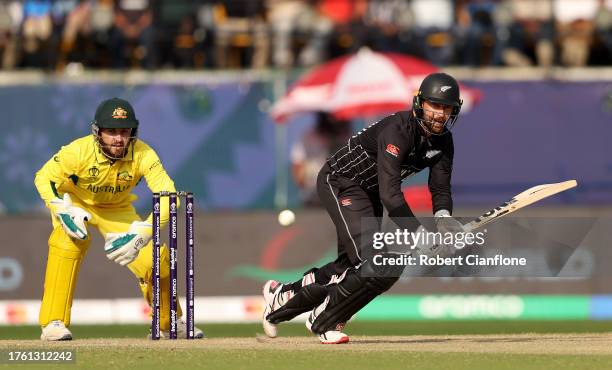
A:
530, 35
289, 33
433, 26
350, 32
184, 32
603, 30
389, 24
208, 14
101, 20
11, 13
74, 22
36, 31
292, 21
60, 9
185, 43
241, 26
476, 31
132, 36
575, 26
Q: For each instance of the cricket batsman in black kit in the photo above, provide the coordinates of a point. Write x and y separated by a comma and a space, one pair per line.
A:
357, 182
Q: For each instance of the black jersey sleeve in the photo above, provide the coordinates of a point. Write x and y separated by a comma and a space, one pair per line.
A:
393, 144
440, 179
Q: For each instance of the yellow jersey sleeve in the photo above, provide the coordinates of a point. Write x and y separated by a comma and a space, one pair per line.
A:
61, 168
157, 180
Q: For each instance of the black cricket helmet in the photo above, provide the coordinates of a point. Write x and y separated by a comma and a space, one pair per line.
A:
438, 88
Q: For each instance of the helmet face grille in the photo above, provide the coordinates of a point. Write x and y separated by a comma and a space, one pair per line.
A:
95, 131
419, 111
114, 113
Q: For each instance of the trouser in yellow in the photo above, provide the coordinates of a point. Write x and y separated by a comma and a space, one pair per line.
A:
66, 254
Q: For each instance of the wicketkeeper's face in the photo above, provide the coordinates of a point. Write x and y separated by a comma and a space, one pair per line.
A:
436, 115
114, 141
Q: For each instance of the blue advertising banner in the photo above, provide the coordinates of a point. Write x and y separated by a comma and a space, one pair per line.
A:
218, 140
529, 133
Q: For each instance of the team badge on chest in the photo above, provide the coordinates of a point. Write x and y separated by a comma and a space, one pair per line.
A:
124, 177
393, 150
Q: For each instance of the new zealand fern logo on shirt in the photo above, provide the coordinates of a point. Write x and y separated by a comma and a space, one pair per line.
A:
124, 177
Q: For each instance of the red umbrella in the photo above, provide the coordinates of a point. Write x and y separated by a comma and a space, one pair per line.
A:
364, 84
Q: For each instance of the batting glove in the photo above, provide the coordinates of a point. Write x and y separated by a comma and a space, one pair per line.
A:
72, 218
123, 248
446, 223
427, 247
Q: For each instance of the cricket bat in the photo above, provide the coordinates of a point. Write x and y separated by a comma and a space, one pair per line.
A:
519, 201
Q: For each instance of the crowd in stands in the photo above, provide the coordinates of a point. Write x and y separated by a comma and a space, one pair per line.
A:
214, 34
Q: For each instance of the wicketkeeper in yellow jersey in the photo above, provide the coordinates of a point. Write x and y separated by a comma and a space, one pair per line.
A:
89, 183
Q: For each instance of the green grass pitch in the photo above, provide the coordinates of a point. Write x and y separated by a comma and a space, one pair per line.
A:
469, 345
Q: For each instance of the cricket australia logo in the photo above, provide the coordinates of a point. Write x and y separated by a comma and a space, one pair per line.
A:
124, 177
120, 113
156, 208
173, 207
189, 207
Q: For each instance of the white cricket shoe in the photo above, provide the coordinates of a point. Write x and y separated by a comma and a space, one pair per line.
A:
335, 336
56, 330
273, 300
181, 331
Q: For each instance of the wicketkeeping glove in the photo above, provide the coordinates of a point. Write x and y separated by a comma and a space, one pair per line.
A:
71, 217
123, 247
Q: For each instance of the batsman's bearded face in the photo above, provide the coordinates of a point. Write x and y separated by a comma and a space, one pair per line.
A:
114, 141
436, 115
